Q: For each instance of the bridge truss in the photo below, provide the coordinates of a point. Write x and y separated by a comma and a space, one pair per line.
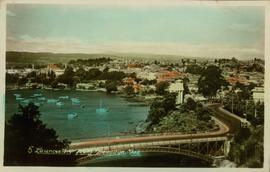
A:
204, 149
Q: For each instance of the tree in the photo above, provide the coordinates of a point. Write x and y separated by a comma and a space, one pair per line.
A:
161, 87
190, 104
155, 114
211, 81
194, 69
12, 78
185, 85
67, 77
160, 108
24, 130
81, 73
111, 86
169, 102
93, 74
129, 90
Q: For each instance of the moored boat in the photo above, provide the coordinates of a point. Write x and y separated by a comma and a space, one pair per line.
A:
72, 115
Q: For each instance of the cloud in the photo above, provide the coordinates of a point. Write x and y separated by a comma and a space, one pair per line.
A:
72, 45
10, 13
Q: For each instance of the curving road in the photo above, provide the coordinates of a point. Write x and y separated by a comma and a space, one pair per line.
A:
223, 130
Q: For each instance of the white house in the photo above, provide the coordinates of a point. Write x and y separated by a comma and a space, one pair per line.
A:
258, 94
178, 88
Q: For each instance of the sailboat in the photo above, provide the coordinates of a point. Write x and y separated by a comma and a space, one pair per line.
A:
101, 109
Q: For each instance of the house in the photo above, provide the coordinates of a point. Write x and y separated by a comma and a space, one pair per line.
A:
178, 88
166, 75
55, 68
258, 94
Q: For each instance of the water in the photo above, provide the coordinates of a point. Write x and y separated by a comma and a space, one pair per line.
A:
89, 124
121, 117
147, 160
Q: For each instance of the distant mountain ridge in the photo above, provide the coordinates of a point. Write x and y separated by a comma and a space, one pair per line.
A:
16, 58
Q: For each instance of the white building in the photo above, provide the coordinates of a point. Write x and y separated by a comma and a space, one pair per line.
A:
147, 75
178, 88
258, 94
85, 85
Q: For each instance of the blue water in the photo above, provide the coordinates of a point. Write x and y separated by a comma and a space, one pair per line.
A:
121, 117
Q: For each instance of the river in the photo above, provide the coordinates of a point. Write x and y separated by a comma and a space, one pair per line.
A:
122, 117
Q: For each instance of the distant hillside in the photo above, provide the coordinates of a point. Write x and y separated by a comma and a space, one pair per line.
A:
22, 58
25, 58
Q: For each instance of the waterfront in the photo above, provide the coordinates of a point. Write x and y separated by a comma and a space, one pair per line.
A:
122, 116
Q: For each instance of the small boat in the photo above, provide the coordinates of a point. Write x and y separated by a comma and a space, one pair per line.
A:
72, 115
63, 97
51, 101
75, 100
41, 98
26, 101
36, 95
101, 109
19, 98
59, 103
37, 104
17, 95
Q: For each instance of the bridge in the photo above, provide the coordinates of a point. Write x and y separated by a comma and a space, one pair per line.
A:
204, 145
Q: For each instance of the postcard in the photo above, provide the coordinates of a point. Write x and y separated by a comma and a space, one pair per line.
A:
135, 84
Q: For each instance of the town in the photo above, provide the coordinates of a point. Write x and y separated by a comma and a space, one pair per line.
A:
145, 79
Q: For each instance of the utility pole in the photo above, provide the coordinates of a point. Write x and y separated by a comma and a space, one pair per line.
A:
232, 104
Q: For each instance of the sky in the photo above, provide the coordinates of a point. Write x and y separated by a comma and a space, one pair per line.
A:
200, 31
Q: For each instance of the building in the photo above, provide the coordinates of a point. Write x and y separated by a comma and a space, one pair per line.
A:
166, 75
85, 86
178, 88
258, 94
147, 75
56, 69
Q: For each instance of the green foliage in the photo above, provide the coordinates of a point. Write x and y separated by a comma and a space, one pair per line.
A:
247, 150
243, 106
155, 114
185, 85
67, 77
93, 74
190, 104
129, 90
160, 108
25, 129
185, 122
111, 86
203, 114
194, 69
12, 78
161, 87
149, 82
114, 75
81, 73
210, 81
22, 81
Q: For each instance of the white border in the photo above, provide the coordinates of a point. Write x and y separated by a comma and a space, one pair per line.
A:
136, 3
